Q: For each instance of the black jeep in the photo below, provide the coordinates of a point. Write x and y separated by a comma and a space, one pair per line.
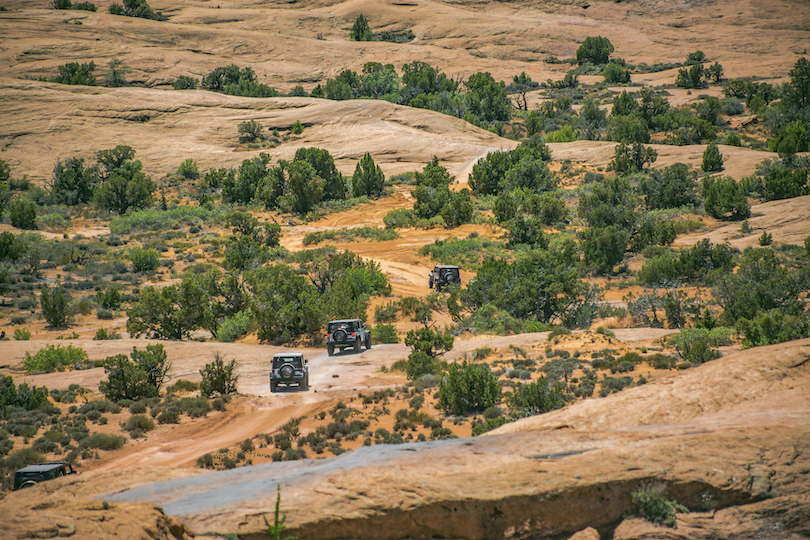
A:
443, 274
347, 334
289, 369
34, 474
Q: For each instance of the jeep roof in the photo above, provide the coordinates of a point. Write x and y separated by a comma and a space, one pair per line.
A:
42, 467
445, 267
287, 354
340, 321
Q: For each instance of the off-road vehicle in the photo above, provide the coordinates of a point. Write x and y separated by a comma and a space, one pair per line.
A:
34, 474
289, 369
443, 274
347, 334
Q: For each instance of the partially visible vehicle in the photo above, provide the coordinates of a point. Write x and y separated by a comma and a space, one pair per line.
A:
41, 472
289, 370
347, 334
443, 274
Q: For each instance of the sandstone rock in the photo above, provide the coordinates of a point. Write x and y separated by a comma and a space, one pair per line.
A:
712, 435
586, 534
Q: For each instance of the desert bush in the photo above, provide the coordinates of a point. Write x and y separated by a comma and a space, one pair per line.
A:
21, 334
23, 213
142, 377
188, 170
536, 398
103, 441
773, 326
697, 345
384, 333
164, 220
596, 50
712, 159
218, 377
144, 260
104, 334
139, 422
233, 328
724, 198
54, 358
169, 416
386, 313
184, 82
194, 407
652, 505
468, 388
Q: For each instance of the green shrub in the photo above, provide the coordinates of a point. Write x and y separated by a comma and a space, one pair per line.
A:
384, 333
184, 82
169, 416
661, 361
712, 159
56, 306
488, 425
194, 407
696, 345
536, 398
481, 353
349, 235
104, 334
386, 313
652, 505
103, 441
183, 386
23, 213
164, 220
468, 388
219, 377
614, 384
139, 422
773, 326
236, 326
55, 358
188, 170
144, 260
21, 334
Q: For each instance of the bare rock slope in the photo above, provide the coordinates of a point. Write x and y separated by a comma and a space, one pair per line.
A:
728, 440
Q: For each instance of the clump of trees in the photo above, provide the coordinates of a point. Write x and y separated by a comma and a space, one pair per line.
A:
136, 8
236, 82
484, 102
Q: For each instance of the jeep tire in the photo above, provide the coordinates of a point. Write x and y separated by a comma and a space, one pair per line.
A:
368, 342
330, 349
357, 346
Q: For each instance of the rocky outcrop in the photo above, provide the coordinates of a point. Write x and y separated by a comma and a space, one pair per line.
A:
728, 440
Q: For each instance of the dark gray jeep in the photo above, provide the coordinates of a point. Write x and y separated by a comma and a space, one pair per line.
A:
289, 369
34, 474
347, 334
443, 274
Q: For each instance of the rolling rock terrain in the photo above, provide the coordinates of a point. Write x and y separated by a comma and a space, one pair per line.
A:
729, 440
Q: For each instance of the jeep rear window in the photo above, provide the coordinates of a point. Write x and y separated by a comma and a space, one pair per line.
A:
349, 327
294, 360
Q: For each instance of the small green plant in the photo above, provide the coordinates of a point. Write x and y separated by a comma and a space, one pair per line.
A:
652, 505
297, 128
144, 260
54, 358
218, 377
21, 334
278, 527
766, 239
104, 334
384, 333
